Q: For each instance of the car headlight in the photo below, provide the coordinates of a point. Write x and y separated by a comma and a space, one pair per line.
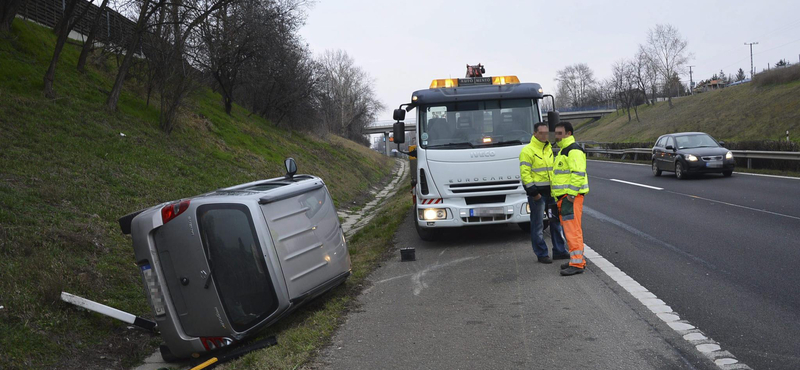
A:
433, 214
729, 155
691, 158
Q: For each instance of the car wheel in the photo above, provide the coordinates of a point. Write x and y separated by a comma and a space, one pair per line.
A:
656, 171
727, 173
680, 173
167, 355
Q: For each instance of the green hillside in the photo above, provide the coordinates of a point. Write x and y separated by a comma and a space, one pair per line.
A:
69, 170
737, 113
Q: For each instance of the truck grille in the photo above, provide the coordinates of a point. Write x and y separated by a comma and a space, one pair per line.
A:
496, 218
477, 187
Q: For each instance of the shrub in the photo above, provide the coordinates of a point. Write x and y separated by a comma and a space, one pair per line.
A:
777, 76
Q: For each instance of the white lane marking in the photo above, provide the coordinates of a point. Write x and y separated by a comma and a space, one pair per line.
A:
763, 175
637, 184
702, 343
736, 205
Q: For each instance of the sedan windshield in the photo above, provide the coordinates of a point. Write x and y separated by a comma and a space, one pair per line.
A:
695, 141
480, 123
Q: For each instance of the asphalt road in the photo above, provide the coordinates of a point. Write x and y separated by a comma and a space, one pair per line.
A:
479, 300
722, 252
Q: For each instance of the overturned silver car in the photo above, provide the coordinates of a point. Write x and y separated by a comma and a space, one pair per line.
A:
219, 266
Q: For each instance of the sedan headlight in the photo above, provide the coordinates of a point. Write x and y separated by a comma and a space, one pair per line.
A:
691, 158
430, 214
729, 155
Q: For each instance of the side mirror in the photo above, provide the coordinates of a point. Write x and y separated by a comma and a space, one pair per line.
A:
669, 147
291, 168
722, 144
552, 120
399, 115
399, 131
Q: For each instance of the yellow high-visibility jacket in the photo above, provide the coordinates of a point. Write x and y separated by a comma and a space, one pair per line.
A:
536, 164
569, 170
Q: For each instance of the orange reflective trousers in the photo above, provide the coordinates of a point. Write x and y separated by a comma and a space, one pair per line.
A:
570, 215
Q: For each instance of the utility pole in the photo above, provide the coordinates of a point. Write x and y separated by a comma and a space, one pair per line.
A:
691, 82
752, 71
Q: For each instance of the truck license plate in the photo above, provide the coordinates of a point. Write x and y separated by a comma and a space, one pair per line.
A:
487, 211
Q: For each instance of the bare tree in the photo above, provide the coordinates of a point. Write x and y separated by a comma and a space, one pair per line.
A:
8, 10
63, 28
625, 86
88, 45
345, 97
576, 81
131, 48
667, 49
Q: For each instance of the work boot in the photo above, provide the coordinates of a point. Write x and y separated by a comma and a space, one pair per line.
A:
545, 259
571, 270
564, 265
560, 256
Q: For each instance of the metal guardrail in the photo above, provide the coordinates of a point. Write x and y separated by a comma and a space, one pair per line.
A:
746, 154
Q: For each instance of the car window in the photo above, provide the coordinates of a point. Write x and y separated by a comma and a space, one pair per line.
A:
661, 141
671, 141
237, 263
696, 141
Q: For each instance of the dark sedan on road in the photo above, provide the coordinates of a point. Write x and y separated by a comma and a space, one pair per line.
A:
688, 153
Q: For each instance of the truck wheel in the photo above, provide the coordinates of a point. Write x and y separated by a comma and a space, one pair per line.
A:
425, 233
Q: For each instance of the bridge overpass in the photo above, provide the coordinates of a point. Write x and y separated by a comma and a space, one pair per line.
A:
385, 129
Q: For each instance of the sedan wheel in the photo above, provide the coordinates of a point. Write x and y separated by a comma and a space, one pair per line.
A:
656, 171
727, 173
679, 172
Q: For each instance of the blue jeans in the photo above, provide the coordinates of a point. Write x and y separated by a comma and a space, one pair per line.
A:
537, 229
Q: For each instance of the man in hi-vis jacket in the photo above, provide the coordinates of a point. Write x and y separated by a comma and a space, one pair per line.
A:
536, 169
569, 185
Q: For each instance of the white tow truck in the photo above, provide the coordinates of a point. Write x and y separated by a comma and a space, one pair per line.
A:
469, 135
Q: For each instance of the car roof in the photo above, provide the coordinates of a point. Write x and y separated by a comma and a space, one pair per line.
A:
685, 133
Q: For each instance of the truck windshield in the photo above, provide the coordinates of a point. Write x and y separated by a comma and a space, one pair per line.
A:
477, 123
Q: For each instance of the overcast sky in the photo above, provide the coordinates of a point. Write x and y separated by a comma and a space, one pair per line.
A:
404, 45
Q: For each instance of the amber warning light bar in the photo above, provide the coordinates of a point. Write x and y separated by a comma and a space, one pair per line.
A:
474, 81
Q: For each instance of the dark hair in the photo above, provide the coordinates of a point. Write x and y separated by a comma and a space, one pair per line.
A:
566, 125
537, 125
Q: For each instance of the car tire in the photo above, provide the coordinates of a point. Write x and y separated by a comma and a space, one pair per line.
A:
727, 173
167, 355
656, 171
680, 172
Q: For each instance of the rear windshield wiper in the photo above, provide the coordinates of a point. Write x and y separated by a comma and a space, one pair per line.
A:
452, 145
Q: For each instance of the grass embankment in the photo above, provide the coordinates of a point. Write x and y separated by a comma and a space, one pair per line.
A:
737, 113
69, 170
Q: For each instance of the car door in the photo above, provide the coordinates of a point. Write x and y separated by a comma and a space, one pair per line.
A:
658, 152
669, 154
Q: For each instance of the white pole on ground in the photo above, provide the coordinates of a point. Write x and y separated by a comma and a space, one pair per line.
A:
108, 311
